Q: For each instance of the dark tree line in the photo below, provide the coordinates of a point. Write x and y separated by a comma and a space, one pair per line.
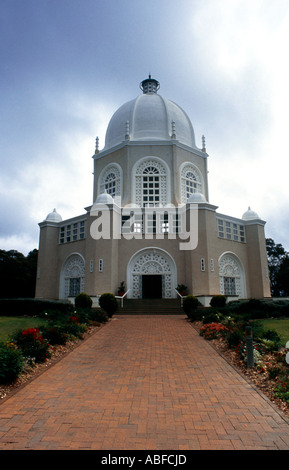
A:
17, 274
278, 262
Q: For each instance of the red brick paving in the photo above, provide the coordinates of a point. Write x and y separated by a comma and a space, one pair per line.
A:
142, 382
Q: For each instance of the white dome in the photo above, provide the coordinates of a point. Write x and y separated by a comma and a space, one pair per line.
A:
197, 197
54, 217
149, 117
250, 215
104, 198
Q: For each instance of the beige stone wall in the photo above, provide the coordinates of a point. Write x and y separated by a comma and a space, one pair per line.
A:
128, 155
116, 254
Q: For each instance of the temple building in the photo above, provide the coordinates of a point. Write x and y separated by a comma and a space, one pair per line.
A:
151, 225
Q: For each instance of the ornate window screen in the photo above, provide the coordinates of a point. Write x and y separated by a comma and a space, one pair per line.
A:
74, 275
151, 184
110, 181
191, 182
230, 276
152, 262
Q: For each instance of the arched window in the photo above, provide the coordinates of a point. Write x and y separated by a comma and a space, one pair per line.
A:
231, 274
191, 182
72, 276
110, 181
151, 180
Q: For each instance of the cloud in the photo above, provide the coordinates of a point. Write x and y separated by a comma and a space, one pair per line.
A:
67, 66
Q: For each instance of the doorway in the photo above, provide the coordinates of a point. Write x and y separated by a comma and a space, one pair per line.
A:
152, 286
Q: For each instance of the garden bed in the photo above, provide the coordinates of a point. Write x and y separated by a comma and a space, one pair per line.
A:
57, 352
259, 375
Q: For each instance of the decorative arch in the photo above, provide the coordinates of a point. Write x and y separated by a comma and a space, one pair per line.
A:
232, 275
72, 277
191, 181
151, 261
110, 180
151, 182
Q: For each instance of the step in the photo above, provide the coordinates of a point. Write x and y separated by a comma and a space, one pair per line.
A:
150, 307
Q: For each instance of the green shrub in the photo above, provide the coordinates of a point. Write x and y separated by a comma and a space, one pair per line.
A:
82, 315
234, 338
271, 335
218, 301
211, 317
54, 334
11, 363
98, 315
32, 344
190, 306
108, 303
274, 371
282, 388
83, 301
73, 327
55, 316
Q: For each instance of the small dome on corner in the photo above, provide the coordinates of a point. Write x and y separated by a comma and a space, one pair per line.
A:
104, 198
53, 217
196, 197
250, 215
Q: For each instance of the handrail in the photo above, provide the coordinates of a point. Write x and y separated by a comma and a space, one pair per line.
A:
181, 296
121, 297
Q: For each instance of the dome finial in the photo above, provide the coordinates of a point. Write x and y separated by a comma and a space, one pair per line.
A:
203, 144
96, 145
149, 85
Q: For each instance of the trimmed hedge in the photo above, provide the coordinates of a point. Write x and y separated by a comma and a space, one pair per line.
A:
218, 301
108, 303
257, 309
190, 307
83, 300
32, 307
11, 363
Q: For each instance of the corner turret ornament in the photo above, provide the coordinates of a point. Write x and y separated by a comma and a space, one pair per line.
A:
96, 145
204, 144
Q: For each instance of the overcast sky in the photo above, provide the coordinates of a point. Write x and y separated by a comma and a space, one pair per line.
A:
67, 65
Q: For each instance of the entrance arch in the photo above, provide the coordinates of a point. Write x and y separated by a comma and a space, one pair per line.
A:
141, 269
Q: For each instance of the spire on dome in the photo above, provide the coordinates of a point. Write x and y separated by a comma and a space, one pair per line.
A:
149, 85
203, 144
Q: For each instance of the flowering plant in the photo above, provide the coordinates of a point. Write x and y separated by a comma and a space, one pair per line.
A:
282, 388
73, 319
213, 330
241, 350
32, 344
32, 334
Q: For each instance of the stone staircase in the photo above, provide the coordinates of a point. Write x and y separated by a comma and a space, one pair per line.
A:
150, 307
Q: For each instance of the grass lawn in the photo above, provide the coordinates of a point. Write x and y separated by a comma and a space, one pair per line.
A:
279, 325
8, 325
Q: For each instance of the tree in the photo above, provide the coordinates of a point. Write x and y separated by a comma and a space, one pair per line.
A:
277, 262
282, 277
17, 274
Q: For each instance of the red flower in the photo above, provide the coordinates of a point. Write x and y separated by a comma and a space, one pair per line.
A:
34, 333
74, 319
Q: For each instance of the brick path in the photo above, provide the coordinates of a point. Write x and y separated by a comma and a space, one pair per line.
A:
141, 382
